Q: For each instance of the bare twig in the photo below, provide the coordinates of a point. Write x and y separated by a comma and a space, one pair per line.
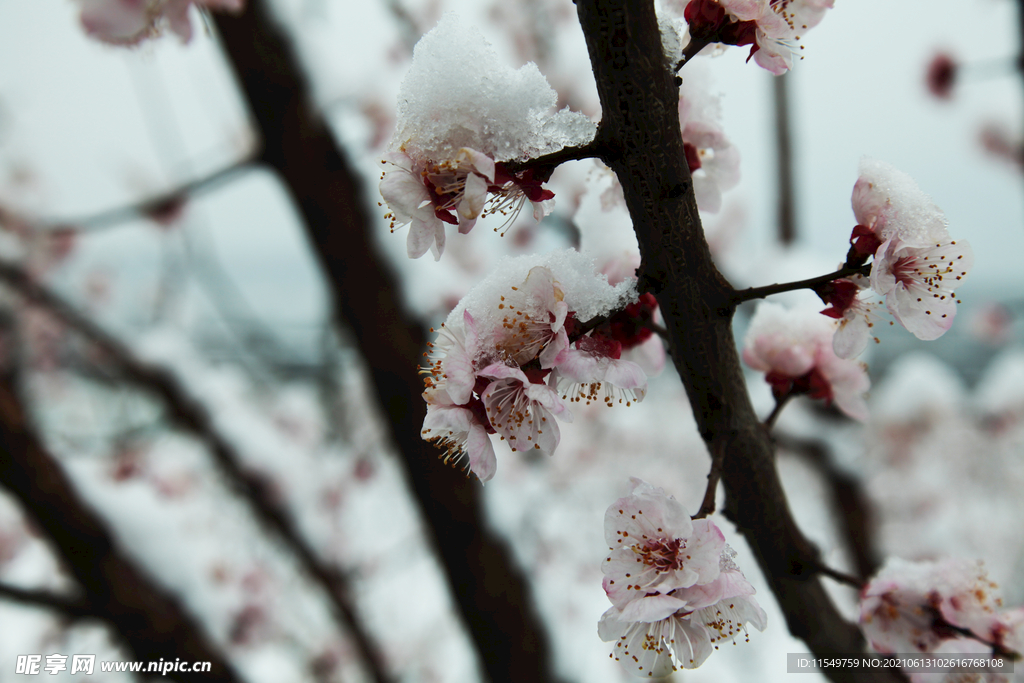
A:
690, 51
707, 506
750, 293
841, 577
156, 205
544, 166
780, 403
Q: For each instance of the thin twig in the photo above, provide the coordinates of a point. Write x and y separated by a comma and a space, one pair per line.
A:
150, 206
544, 166
690, 51
707, 506
657, 329
837, 575
750, 293
784, 160
780, 403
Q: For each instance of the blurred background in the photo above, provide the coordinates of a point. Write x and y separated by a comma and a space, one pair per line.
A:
256, 475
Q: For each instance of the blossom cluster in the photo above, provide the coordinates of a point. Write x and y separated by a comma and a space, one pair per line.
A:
463, 118
947, 607
129, 22
772, 28
915, 266
675, 589
513, 357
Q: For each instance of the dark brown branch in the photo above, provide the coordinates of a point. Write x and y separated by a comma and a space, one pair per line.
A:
690, 51
192, 416
841, 577
750, 293
66, 606
544, 166
853, 509
639, 102
149, 619
707, 506
490, 591
780, 403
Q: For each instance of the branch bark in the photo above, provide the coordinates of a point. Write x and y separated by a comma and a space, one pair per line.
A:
490, 591
639, 102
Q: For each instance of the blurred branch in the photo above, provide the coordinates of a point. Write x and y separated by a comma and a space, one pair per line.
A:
639, 102
67, 606
192, 416
150, 620
490, 591
153, 207
851, 502
784, 157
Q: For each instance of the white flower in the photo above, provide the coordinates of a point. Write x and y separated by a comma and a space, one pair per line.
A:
426, 195
918, 283
916, 606
655, 546
522, 410
461, 432
674, 586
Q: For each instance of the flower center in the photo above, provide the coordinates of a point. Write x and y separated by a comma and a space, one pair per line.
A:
662, 554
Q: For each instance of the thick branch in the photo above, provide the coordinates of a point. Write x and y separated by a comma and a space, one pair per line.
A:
150, 620
192, 416
639, 101
491, 593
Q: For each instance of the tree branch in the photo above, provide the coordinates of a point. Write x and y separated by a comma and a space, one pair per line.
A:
490, 591
849, 499
640, 104
741, 295
544, 166
69, 607
153, 206
192, 416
